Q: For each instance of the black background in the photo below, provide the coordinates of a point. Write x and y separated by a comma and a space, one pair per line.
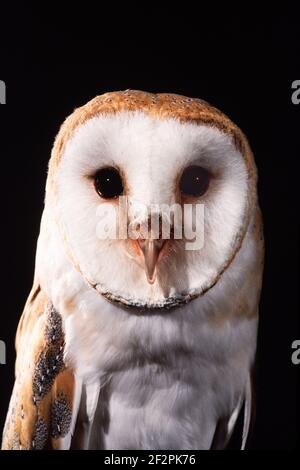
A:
242, 63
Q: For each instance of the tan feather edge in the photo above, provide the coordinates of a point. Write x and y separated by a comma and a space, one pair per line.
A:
40, 411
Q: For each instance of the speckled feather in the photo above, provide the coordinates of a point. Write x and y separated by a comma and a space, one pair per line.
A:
41, 404
160, 105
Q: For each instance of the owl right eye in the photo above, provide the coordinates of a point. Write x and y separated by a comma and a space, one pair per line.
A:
108, 183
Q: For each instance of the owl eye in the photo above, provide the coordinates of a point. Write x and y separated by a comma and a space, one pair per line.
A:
194, 181
108, 183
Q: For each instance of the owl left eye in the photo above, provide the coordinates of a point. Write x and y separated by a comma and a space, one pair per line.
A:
194, 181
108, 183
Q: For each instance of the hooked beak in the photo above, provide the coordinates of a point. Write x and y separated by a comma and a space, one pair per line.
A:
151, 250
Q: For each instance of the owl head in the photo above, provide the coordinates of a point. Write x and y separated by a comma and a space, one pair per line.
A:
151, 194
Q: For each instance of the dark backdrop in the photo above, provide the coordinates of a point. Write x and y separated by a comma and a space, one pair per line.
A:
241, 63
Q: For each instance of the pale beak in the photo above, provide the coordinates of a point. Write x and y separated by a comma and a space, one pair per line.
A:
151, 250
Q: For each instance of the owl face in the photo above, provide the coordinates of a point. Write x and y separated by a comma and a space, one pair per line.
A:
118, 168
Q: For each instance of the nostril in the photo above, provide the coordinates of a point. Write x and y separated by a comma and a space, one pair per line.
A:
159, 243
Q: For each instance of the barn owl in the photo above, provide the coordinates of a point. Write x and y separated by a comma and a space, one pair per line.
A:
140, 343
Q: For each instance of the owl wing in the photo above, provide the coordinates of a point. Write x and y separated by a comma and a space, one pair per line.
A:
41, 414
227, 428
229, 431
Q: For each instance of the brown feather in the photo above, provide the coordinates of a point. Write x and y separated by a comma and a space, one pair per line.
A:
40, 411
162, 106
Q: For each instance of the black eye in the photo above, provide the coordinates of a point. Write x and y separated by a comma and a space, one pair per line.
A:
108, 183
194, 181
